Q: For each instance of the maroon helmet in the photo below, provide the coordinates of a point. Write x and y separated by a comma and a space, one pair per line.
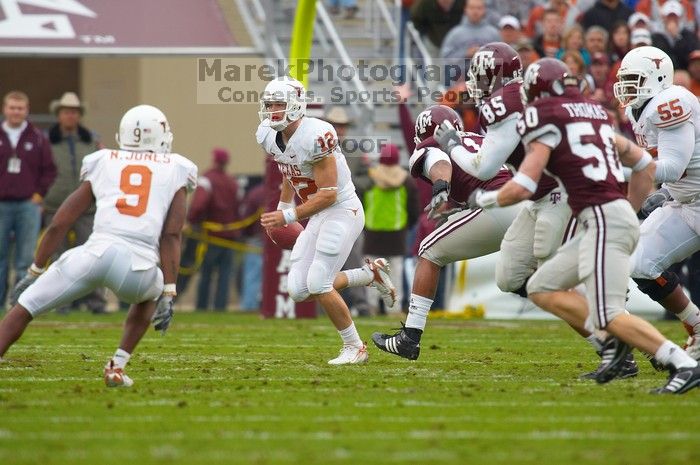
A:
492, 66
545, 78
432, 117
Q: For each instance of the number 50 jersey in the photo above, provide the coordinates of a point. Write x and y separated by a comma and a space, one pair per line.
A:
583, 157
312, 141
133, 193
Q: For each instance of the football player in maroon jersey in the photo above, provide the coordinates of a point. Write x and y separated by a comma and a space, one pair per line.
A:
573, 138
494, 80
464, 234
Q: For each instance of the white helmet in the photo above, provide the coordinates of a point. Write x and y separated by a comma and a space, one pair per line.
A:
144, 128
643, 73
283, 90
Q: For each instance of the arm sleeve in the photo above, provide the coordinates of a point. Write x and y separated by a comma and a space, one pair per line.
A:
407, 127
500, 142
412, 201
434, 155
674, 157
48, 167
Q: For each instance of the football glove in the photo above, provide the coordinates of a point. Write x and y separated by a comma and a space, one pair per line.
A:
446, 135
441, 193
654, 201
164, 313
30, 276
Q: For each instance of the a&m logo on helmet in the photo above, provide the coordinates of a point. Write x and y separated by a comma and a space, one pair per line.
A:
532, 74
483, 61
423, 122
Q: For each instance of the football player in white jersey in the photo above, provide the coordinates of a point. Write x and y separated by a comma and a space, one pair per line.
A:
666, 120
308, 155
140, 192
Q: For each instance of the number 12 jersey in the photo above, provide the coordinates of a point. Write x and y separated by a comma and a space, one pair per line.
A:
133, 193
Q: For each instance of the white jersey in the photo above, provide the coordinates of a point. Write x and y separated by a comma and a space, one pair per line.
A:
312, 141
133, 192
666, 111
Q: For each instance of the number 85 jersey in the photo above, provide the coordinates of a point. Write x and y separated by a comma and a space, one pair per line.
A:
313, 140
133, 192
656, 129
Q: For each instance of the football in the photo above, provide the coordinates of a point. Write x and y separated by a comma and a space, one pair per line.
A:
285, 236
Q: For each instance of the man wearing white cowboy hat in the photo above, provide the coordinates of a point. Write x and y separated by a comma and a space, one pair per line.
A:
70, 143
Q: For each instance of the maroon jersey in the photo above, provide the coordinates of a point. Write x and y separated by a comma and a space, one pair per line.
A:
461, 184
582, 138
496, 108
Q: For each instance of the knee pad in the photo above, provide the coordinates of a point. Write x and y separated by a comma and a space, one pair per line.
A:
296, 287
319, 279
660, 288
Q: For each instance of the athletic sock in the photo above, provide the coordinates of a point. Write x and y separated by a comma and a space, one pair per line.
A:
596, 343
121, 358
670, 354
350, 336
691, 316
418, 310
359, 276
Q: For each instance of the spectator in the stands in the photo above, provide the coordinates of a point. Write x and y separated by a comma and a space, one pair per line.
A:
433, 19
568, 12
619, 41
509, 27
596, 40
252, 205
473, 32
572, 41
350, 7
527, 53
574, 61
674, 39
605, 13
653, 10
640, 38
639, 20
600, 70
694, 71
547, 44
681, 78
520, 9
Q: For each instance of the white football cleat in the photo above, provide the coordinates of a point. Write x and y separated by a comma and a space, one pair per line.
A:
350, 355
382, 282
115, 377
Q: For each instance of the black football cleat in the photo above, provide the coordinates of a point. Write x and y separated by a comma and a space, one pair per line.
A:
680, 381
629, 369
614, 357
400, 344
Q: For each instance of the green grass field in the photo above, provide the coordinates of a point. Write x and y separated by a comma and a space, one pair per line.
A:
235, 389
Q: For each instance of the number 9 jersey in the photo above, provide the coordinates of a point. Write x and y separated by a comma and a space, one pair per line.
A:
312, 141
133, 193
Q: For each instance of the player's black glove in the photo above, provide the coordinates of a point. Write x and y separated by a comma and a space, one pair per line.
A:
654, 201
441, 193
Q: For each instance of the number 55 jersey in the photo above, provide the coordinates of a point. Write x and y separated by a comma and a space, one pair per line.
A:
133, 192
654, 126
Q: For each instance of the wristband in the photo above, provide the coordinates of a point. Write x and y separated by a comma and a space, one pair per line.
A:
284, 205
643, 162
525, 181
487, 199
440, 186
169, 289
290, 215
35, 270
